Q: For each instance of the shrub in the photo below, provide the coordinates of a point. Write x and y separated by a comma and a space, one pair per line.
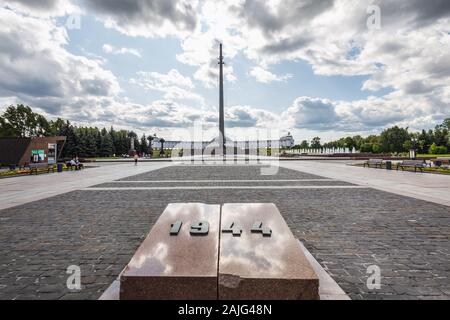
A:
434, 149
441, 150
376, 148
366, 147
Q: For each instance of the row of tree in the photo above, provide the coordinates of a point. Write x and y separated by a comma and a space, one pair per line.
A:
21, 121
392, 140
93, 142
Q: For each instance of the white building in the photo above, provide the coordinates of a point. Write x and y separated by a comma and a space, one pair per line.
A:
284, 142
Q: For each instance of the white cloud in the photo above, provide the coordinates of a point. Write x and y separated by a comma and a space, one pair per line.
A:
174, 85
369, 115
409, 55
202, 51
201, 47
161, 80
42, 8
37, 69
312, 113
156, 18
245, 116
265, 76
107, 48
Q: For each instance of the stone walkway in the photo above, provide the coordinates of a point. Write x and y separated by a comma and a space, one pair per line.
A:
19, 190
100, 228
425, 186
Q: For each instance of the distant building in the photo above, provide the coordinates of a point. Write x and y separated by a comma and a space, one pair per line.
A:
284, 142
287, 141
23, 151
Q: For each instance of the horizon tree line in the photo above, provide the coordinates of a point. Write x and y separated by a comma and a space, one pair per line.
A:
392, 140
21, 121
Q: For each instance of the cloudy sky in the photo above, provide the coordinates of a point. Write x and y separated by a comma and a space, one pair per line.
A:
312, 67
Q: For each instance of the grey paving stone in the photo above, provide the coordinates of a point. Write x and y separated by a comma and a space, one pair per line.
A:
214, 172
266, 182
345, 229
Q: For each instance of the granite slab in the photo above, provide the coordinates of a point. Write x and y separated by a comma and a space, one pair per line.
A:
179, 257
264, 260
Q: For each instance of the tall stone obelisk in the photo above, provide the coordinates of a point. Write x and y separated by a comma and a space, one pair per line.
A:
221, 108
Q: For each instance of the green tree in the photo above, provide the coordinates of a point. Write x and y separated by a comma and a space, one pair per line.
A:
89, 145
315, 143
424, 141
98, 142
162, 140
107, 147
366, 147
56, 126
393, 139
358, 141
349, 142
114, 138
143, 145
435, 149
68, 131
150, 147
376, 148
445, 124
22, 122
304, 144
441, 135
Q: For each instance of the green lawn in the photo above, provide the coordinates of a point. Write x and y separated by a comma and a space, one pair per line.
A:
433, 155
437, 170
22, 172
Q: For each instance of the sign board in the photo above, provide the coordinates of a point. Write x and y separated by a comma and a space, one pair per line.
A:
52, 153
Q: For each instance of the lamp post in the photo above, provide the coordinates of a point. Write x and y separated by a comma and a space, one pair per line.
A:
413, 149
162, 153
150, 147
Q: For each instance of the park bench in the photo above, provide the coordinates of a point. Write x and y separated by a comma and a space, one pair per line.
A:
374, 162
416, 164
69, 166
442, 160
35, 167
439, 161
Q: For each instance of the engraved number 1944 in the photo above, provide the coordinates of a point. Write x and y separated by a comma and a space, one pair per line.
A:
201, 228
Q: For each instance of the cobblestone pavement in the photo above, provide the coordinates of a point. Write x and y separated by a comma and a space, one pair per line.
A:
225, 183
346, 230
216, 172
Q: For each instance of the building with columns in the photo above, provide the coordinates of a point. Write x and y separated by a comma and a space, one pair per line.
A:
284, 142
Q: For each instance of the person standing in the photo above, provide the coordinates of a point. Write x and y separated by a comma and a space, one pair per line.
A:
136, 158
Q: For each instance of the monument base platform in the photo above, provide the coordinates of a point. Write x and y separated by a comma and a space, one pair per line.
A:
234, 251
328, 288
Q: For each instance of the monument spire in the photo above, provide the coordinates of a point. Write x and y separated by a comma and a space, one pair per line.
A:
221, 108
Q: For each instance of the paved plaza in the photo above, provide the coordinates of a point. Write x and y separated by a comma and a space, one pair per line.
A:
97, 218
